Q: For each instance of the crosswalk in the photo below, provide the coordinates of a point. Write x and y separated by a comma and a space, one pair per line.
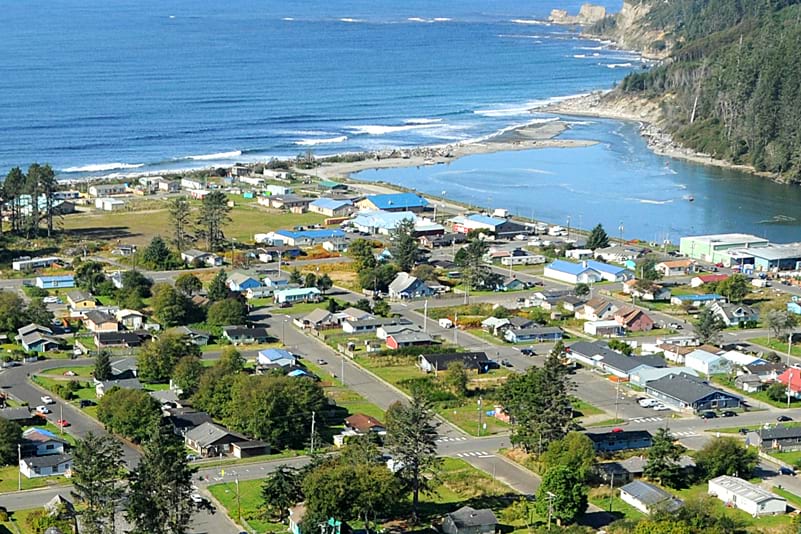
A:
646, 419
685, 434
474, 454
449, 439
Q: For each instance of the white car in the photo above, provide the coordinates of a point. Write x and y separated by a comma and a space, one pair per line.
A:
648, 403
197, 498
660, 407
47, 399
51, 300
42, 409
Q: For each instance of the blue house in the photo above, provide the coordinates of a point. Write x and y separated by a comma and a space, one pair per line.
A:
305, 238
55, 282
612, 273
511, 284
242, 282
572, 273
280, 357
394, 202
535, 334
299, 294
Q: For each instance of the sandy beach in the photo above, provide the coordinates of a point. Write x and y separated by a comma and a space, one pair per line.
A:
532, 136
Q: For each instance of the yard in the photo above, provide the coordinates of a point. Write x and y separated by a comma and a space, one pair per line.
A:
717, 506
608, 499
9, 480
761, 396
777, 345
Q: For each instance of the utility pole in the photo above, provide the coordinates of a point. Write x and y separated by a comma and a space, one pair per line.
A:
311, 446
550, 508
342, 371
19, 471
479, 417
425, 316
238, 503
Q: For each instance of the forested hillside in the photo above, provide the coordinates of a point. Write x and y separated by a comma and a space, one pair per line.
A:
732, 81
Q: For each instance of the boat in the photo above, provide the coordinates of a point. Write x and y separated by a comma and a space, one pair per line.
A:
689, 198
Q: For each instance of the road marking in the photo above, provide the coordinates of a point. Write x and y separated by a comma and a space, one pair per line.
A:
646, 419
686, 434
447, 439
487, 456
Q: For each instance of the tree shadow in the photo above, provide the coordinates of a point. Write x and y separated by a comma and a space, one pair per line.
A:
600, 519
108, 233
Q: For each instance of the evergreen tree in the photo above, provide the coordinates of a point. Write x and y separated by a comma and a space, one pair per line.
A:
324, 283
295, 277
597, 238
310, 280
582, 290
13, 188
188, 284
10, 437
214, 214
411, 440
160, 487
361, 250
157, 255
456, 379
663, 459
218, 287
281, 490
405, 250
708, 326
89, 275
103, 365
562, 495
97, 479
180, 216
475, 271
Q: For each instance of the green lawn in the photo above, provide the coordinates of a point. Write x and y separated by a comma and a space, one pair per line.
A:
607, 422
466, 417
607, 499
250, 503
792, 498
84, 371
9, 479
761, 396
792, 457
777, 345
584, 407
750, 522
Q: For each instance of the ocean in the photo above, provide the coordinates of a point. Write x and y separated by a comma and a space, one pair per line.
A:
102, 86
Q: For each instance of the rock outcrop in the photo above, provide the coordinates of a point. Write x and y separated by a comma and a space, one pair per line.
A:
588, 14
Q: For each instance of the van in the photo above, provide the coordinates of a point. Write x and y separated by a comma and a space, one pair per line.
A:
445, 323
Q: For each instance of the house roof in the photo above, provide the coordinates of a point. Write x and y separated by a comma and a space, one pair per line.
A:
597, 303
236, 331
35, 337
707, 278
99, 317
195, 253
626, 435
62, 278
331, 203
411, 336
402, 282
209, 433
238, 278
647, 494
537, 331
40, 435
318, 315
676, 264
485, 219
686, 388
79, 295
386, 220
703, 356
471, 360
791, 378
355, 313
297, 291
15, 414
569, 267
646, 373
379, 322
705, 297
466, 517
611, 358
276, 354
187, 417
362, 422
165, 395
780, 432
48, 460
605, 267
185, 330
125, 383
33, 327
116, 338
397, 200
310, 234
744, 490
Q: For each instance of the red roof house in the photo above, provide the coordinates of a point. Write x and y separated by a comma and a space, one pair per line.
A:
792, 378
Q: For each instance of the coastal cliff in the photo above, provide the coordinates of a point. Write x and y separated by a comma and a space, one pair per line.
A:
632, 29
588, 14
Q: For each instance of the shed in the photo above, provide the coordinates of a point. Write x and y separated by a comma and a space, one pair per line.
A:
748, 497
648, 498
467, 520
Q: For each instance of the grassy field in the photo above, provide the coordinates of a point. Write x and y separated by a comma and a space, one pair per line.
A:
139, 227
777, 345
467, 418
9, 479
607, 499
792, 498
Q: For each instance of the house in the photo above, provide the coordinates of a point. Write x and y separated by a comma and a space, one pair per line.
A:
103, 190
495, 226
572, 273
648, 498
130, 319
634, 320
394, 202
80, 300
579, 254
299, 294
792, 379
26, 263
295, 519
198, 257
335, 245
467, 520
534, 334
683, 392
100, 321
198, 337
675, 267
354, 314
408, 339
44, 466
239, 282
317, 319
41, 442
22, 416
477, 361
696, 301
521, 257
276, 189
596, 309
610, 273
653, 293
332, 185
494, 325
243, 335
290, 202
395, 329
278, 357
706, 363
734, 314
303, 238
331, 207
37, 338
260, 292
117, 339
620, 441
210, 439
598, 355
124, 250
605, 328
675, 353
624, 471
125, 368
185, 419
767, 372
406, 286
444, 240
748, 497
779, 438
511, 284
698, 281
641, 375
55, 282
364, 424
101, 388
109, 204
618, 253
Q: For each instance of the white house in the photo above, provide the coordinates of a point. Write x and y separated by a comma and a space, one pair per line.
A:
706, 363
204, 258
595, 309
675, 267
579, 254
130, 319
648, 498
43, 466
608, 328
747, 497
572, 273
109, 204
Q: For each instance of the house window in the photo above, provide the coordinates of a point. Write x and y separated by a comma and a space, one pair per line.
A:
50, 447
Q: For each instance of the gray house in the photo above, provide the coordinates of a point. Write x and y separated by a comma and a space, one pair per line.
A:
685, 392
468, 520
779, 438
406, 286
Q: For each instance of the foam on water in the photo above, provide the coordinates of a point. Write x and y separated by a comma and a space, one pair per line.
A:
216, 156
328, 141
103, 167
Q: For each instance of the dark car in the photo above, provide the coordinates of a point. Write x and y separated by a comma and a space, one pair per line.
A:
743, 431
85, 403
784, 418
728, 413
506, 363
527, 352
708, 415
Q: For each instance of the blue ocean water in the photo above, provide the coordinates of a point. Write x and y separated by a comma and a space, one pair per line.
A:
99, 86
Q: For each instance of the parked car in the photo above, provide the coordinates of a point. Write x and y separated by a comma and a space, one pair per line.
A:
191, 457
729, 413
743, 431
506, 363
51, 300
647, 402
47, 399
527, 352
42, 409
784, 418
197, 498
321, 362
63, 423
85, 403
708, 415
659, 407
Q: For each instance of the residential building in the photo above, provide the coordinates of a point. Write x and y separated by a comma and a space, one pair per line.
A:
185, 419
290, 202
41, 442
80, 300
130, 319
295, 519
596, 309
648, 498
706, 363
572, 273
243, 335
767, 372
495, 226
748, 497
578, 254
641, 375
618, 253
394, 202
734, 314
598, 355
523, 259
605, 328
386, 330
104, 190
716, 248
737, 358
29, 264
22, 416
278, 190
683, 392
55, 282
779, 438
408, 339
467, 520
45, 466
239, 282
103, 387
100, 321
109, 204
622, 472
444, 240
610, 273
303, 238
634, 320
37, 338
117, 339
194, 256
792, 379
476, 361
534, 334
406, 286
198, 337
696, 301
653, 293
620, 441
364, 424
299, 294
210, 439
372, 324
332, 207
675, 267
331, 185
280, 357
317, 319
698, 281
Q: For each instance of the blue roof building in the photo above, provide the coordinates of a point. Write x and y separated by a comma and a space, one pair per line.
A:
612, 273
380, 222
331, 206
572, 273
297, 238
276, 357
55, 282
394, 202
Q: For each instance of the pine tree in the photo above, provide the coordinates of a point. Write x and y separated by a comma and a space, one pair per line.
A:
218, 287
180, 215
103, 365
405, 250
97, 478
214, 214
282, 490
160, 487
663, 459
597, 238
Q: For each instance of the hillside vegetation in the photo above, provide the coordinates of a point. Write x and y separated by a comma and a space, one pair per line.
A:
732, 78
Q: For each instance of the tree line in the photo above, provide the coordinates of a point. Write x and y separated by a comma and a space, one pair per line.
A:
22, 192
